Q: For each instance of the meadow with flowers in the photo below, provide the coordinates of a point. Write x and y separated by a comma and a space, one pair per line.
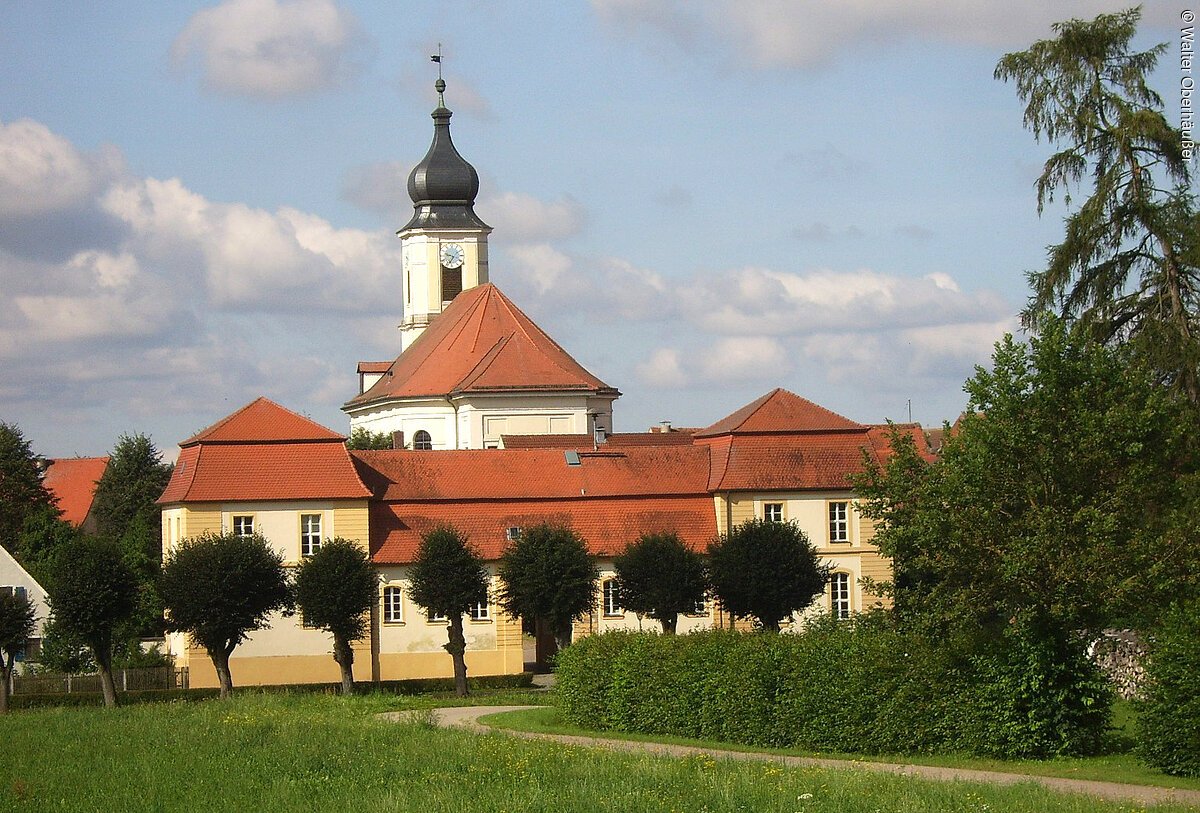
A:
267, 752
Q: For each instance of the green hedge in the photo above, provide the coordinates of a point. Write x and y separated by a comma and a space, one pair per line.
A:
521, 680
1169, 712
853, 686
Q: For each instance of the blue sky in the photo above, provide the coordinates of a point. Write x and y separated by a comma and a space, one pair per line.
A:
701, 201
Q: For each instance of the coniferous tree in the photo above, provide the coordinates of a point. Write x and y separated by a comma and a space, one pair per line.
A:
21, 488
1128, 268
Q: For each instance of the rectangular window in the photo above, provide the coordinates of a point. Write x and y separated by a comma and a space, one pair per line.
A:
243, 525
839, 595
480, 612
699, 608
773, 511
512, 534
434, 618
310, 534
393, 608
839, 522
612, 599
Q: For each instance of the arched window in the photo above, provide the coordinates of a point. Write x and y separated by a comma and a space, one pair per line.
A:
422, 441
839, 595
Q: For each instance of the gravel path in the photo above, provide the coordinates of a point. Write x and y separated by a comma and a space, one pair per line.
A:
468, 717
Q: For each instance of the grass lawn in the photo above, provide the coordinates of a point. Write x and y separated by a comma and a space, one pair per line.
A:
267, 752
1116, 767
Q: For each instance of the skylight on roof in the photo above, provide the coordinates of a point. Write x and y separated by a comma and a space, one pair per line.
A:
572, 457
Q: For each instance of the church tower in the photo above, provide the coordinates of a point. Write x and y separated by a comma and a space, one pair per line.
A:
444, 245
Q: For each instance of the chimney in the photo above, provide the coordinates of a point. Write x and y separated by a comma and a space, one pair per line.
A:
664, 426
397, 440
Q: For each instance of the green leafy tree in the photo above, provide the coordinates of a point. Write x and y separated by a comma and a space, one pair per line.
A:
365, 439
1128, 267
219, 588
335, 588
1060, 505
448, 578
548, 577
17, 620
766, 571
21, 489
92, 593
660, 577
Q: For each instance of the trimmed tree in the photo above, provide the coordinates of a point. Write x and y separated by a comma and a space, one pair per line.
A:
218, 588
548, 577
335, 588
766, 571
17, 620
448, 579
660, 577
92, 593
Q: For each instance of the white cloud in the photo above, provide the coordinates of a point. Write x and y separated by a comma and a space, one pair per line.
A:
805, 33
270, 48
524, 218
745, 358
41, 171
663, 370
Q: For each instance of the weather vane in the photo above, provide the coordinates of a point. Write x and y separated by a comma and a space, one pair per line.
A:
440, 84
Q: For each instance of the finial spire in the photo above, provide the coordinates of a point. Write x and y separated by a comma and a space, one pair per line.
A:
440, 84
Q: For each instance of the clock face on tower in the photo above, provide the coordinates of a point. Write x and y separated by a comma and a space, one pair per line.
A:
452, 255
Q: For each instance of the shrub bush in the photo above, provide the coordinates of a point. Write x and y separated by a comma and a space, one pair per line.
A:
857, 687
1169, 712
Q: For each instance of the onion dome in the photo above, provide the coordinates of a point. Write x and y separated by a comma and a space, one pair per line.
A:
443, 185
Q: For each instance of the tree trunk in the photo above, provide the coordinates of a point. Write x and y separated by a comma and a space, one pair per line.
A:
562, 636
456, 645
104, 663
771, 625
669, 623
220, 659
6, 670
344, 655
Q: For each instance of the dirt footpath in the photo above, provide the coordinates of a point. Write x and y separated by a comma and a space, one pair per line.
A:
468, 717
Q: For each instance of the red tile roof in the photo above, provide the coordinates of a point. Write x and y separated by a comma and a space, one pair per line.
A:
262, 421
780, 411
803, 462
881, 440
619, 440
263, 452
264, 471
495, 474
72, 482
481, 343
607, 524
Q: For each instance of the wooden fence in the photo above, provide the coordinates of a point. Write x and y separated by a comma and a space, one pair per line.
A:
126, 680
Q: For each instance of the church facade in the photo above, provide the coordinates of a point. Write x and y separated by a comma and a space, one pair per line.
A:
497, 428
